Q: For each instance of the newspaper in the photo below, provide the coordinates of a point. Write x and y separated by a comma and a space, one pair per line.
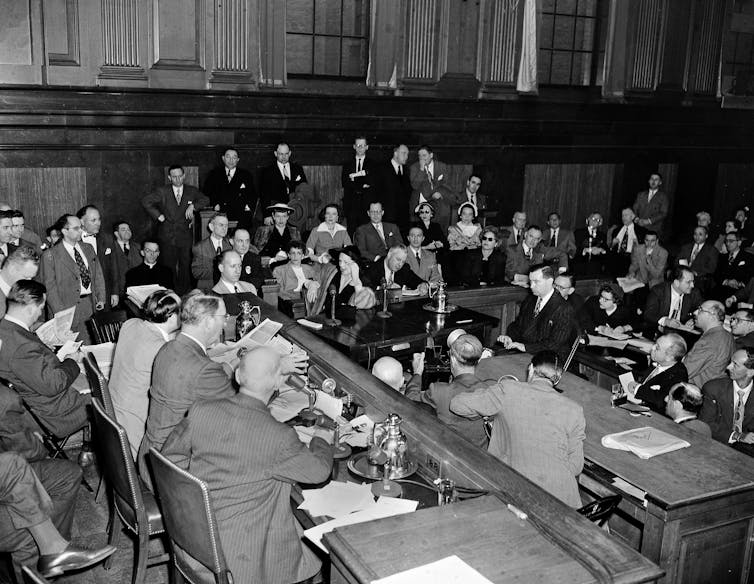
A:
56, 331
139, 294
644, 442
630, 284
263, 334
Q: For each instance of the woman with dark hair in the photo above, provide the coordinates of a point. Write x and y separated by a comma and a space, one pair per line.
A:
328, 235
138, 343
605, 312
485, 266
465, 233
434, 238
294, 277
345, 282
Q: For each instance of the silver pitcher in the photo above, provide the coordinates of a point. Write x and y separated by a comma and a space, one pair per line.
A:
388, 438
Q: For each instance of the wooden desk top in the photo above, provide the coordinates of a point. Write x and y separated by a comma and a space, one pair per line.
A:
702, 471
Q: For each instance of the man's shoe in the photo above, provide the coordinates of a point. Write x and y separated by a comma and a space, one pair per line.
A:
72, 558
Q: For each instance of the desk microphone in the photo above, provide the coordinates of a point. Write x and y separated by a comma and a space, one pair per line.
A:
332, 321
384, 313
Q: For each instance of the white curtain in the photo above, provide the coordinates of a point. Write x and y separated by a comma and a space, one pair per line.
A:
527, 69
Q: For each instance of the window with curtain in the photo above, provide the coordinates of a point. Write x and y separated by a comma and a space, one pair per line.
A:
572, 42
327, 38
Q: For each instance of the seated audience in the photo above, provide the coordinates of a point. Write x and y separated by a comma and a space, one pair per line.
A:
395, 272
138, 343
465, 233
40, 378
734, 268
591, 248
683, 404
672, 304
747, 227
545, 320
260, 535
294, 277
514, 234
149, 271
667, 370
434, 237
345, 283
271, 240
730, 226
251, 264
558, 242
622, 242
390, 371
125, 256
521, 257
649, 261
21, 264
423, 263
52, 236
465, 352
606, 312
742, 328
485, 266
6, 234
744, 297
711, 353
206, 252
728, 407
375, 238
328, 235
701, 257
537, 431
229, 264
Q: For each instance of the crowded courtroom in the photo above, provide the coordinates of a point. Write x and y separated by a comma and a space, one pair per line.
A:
377, 291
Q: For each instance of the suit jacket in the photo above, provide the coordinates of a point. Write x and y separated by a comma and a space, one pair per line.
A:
426, 268
655, 210
121, 263
369, 242
516, 261
537, 431
510, 239
741, 270
175, 230
462, 197
658, 304
717, 409
373, 275
273, 188
17, 428
653, 391
233, 197
289, 282
263, 233
143, 275
472, 268
220, 288
440, 183
104, 249
394, 192
41, 379
745, 342
705, 262
203, 266
249, 461
566, 241
649, 269
61, 276
581, 237
439, 395
552, 329
252, 271
709, 356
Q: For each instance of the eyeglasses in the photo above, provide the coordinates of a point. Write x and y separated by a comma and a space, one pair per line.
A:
704, 310
225, 316
488, 239
739, 319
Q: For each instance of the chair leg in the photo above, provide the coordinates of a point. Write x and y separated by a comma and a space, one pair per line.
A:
141, 555
114, 529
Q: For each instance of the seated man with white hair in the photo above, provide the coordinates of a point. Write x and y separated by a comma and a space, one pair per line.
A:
390, 371
394, 271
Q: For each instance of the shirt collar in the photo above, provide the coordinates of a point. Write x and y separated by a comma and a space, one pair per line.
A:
396, 166
323, 227
229, 285
683, 419
70, 247
218, 242
547, 297
4, 286
16, 321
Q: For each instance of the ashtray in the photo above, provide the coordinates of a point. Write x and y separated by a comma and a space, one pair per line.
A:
359, 465
448, 308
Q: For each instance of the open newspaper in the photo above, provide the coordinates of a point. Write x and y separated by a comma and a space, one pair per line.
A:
644, 442
263, 334
56, 331
139, 294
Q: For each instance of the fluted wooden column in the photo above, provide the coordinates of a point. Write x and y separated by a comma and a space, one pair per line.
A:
422, 32
236, 43
647, 31
122, 23
705, 49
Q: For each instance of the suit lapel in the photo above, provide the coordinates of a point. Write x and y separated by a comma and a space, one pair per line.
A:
68, 261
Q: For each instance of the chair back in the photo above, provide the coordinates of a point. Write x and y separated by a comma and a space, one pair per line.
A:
98, 384
31, 576
105, 326
117, 465
188, 516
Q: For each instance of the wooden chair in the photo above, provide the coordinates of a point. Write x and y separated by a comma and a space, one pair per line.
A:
133, 504
105, 326
190, 522
600, 510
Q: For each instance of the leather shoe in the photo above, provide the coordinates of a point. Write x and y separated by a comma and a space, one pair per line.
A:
71, 558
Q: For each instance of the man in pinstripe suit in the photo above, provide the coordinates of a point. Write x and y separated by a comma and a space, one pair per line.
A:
250, 460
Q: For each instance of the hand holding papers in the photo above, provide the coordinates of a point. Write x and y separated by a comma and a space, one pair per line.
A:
57, 330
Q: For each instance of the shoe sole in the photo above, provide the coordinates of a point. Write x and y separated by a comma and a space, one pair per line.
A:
58, 570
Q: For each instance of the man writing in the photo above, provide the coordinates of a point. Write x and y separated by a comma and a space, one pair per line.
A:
394, 271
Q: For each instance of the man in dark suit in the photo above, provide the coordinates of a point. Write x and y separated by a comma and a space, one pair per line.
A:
278, 180
393, 189
261, 539
742, 296
251, 263
73, 277
125, 256
21, 264
545, 321
430, 181
742, 328
395, 271
230, 189
701, 257
358, 176
374, 238
591, 248
39, 377
471, 194
734, 269
6, 234
173, 208
149, 271
558, 242
520, 258
651, 206
667, 370
728, 406
673, 303
103, 244
206, 252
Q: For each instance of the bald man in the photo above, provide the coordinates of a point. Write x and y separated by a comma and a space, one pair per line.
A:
260, 535
230, 281
251, 263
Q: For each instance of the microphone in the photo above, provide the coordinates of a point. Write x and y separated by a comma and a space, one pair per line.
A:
332, 291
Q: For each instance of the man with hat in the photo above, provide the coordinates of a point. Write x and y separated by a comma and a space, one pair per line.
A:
272, 240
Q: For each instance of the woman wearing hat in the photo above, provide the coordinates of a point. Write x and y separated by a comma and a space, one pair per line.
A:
329, 235
272, 240
465, 234
345, 282
434, 237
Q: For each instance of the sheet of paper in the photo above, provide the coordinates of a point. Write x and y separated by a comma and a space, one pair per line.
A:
644, 442
450, 570
600, 341
68, 348
630, 284
627, 487
521, 280
57, 330
262, 334
288, 404
625, 379
64, 321
337, 499
139, 294
331, 406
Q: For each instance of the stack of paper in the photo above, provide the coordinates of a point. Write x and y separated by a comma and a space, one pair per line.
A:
450, 570
644, 442
600, 341
104, 353
630, 284
138, 294
337, 499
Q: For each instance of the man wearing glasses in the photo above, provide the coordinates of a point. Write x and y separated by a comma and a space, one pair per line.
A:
742, 327
734, 269
711, 353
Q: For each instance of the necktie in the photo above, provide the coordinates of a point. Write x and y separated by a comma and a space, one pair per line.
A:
472, 200
676, 312
694, 252
287, 172
400, 170
378, 227
230, 177
418, 257
86, 278
125, 248
178, 195
235, 288
219, 250
538, 306
528, 254
731, 258
518, 236
358, 165
738, 418
624, 243
553, 240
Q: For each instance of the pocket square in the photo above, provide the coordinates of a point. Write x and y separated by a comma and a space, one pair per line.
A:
298, 177
108, 251
248, 269
243, 186
440, 177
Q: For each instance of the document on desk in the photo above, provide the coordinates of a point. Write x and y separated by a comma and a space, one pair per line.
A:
337, 499
139, 294
600, 341
450, 570
383, 507
644, 442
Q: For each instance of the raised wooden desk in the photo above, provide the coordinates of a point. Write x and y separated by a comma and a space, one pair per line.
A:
696, 518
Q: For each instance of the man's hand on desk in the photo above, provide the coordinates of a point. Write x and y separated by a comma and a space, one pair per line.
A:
422, 289
294, 363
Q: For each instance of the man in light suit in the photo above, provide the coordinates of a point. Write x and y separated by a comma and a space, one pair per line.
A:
520, 258
73, 277
261, 537
393, 188
649, 261
730, 422
430, 182
126, 255
709, 356
673, 303
206, 252
279, 180
651, 206
229, 264
21, 264
422, 262
358, 177
537, 431
230, 189
622, 242
374, 238
516, 231
173, 208
667, 370
103, 245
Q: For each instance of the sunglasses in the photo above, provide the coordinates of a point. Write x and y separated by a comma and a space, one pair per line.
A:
488, 239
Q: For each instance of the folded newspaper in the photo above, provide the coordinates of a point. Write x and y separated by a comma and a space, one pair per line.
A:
644, 442
57, 331
139, 294
263, 334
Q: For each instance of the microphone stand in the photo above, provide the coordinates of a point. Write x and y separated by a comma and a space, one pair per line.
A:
384, 313
332, 321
